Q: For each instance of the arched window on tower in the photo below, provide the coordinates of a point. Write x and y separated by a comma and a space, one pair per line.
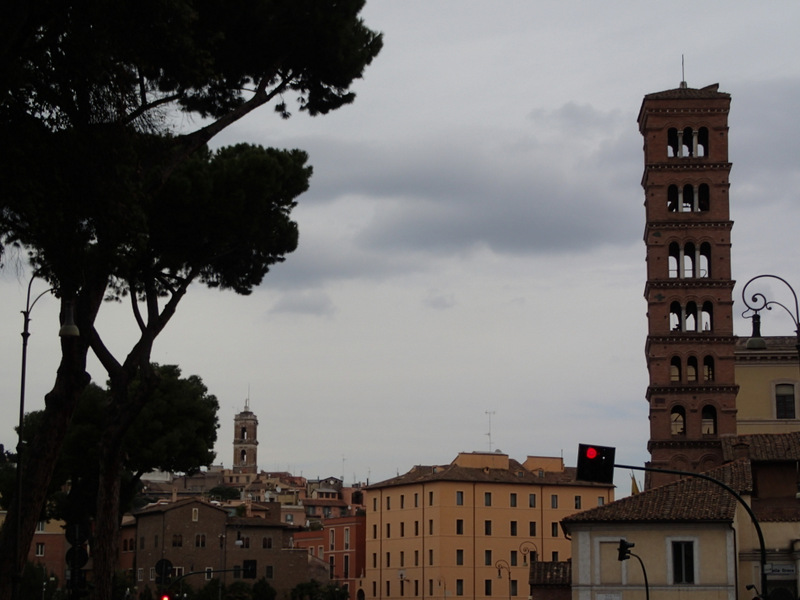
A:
674, 258
677, 420
702, 141
672, 198
675, 369
707, 317
243, 457
687, 203
704, 198
691, 368
675, 317
672, 142
687, 142
691, 317
705, 260
709, 420
243, 433
688, 262
708, 368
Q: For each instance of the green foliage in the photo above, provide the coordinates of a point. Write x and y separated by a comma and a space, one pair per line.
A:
175, 431
87, 145
238, 590
104, 198
262, 590
210, 591
314, 590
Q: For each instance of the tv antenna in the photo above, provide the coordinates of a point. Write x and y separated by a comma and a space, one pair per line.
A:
489, 413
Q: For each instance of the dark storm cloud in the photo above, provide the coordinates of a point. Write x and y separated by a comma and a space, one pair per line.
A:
538, 189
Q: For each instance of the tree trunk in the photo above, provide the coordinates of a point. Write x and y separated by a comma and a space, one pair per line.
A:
39, 461
107, 519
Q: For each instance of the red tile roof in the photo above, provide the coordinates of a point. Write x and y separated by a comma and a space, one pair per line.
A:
764, 447
516, 473
686, 500
709, 91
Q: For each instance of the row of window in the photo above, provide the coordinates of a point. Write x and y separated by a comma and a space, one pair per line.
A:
677, 372
687, 142
708, 423
513, 558
128, 545
690, 261
402, 501
332, 539
238, 571
487, 527
406, 587
691, 317
488, 499
688, 198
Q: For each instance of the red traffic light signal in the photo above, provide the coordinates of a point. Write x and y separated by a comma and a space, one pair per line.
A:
595, 463
165, 597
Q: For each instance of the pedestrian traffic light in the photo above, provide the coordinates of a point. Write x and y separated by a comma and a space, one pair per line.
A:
624, 550
595, 463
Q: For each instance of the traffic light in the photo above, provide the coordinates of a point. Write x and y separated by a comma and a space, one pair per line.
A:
165, 597
624, 550
595, 463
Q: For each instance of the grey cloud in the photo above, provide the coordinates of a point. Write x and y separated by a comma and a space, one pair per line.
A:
305, 302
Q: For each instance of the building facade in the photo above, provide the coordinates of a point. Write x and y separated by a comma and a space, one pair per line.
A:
768, 378
470, 528
204, 540
340, 544
690, 343
683, 532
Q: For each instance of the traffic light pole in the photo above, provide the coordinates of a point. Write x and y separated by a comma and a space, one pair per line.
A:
736, 495
644, 572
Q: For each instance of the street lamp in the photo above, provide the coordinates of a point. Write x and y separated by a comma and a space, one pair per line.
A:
502, 565
528, 547
68, 329
758, 302
525, 548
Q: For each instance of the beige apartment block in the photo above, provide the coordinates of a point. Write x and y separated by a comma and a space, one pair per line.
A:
471, 527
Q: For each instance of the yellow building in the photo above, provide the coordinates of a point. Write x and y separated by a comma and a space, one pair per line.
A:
768, 377
469, 528
684, 533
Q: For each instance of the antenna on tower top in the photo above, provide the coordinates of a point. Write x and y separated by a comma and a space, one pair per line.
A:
683, 73
247, 400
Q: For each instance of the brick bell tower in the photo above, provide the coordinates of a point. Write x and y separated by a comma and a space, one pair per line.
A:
245, 441
689, 290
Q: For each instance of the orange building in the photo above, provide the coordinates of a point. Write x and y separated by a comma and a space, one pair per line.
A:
340, 543
469, 528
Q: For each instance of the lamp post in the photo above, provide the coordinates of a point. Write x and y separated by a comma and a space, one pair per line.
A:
502, 565
527, 547
68, 329
758, 302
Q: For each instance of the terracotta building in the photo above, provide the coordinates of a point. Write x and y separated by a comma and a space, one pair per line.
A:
340, 544
471, 527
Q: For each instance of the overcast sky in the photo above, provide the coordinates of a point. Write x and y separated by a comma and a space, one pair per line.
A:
471, 256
